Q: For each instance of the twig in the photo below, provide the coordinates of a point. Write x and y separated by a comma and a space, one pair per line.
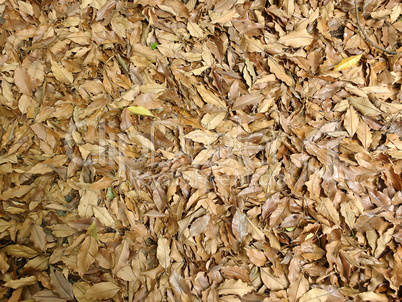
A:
391, 52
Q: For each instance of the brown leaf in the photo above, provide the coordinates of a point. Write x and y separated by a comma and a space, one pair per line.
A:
86, 255
38, 237
61, 285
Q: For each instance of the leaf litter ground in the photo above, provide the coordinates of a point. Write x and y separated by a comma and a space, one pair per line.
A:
200, 151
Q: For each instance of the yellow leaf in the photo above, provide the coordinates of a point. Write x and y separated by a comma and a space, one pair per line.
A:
348, 62
140, 110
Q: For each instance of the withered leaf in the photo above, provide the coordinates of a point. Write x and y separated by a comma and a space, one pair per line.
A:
23, 80
102, 290
61, 286
163, 252
297, 39
239, 225
86, 255
25, 281
273, 282
61, 74
237, 287
38, 237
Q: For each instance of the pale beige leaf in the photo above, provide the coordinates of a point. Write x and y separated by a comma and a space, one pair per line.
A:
237, 287
202, 136
121, 256
209, 97
163, 252
239, 225
4, 266
211, 121
103, 215
199, 225
351, 121
298, 288
88, 200
223, 17
195, 30
61, 74
26, 281
364, 134
326, 208
102, 290
373, 297
254, 230
280, 72
280, 213
364, 106
203, 157
297, 39
36, 71
348, 214
314, 184
273, 282
20, 251
315, 295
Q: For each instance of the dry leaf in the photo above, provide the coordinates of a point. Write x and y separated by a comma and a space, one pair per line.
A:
163, 252
239, 225
86, 255
101, 291
299, 38
61, 74
315, 295
348, 62
236, 287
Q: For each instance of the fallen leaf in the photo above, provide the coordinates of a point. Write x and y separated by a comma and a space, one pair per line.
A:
140, 110
61, 74
163, 252
347, 63
237, 287
102, 290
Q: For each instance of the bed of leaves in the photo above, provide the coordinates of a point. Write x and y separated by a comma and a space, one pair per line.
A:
257, 164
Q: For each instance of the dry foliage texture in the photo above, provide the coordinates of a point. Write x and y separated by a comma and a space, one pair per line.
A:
264, 164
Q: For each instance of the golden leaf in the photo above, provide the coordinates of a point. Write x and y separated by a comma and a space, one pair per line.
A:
348, 62
140, 110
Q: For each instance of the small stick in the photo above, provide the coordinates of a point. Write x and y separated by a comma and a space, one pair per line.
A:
391, 52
